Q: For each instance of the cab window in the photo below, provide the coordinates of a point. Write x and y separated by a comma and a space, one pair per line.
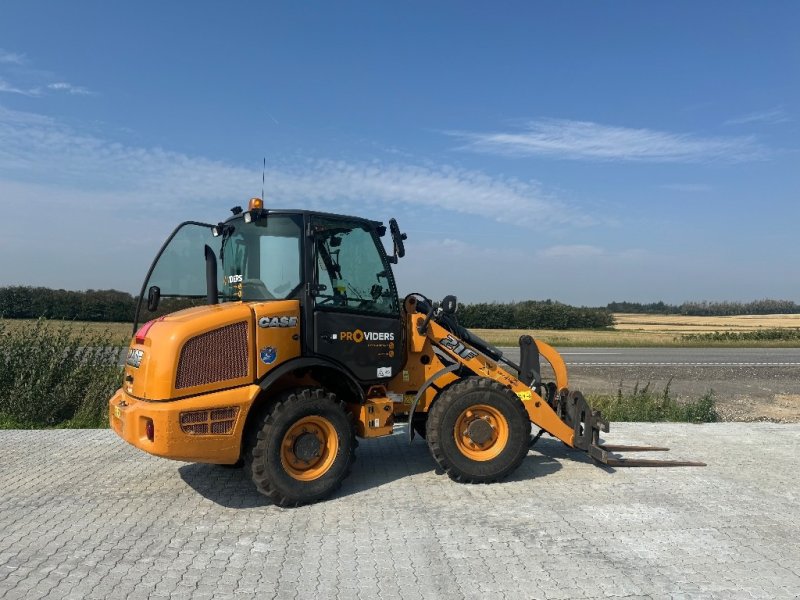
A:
261, 259
351, 273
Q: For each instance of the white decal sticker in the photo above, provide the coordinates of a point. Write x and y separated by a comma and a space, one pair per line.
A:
384, 371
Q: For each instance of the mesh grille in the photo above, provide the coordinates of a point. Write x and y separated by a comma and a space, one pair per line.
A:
196, 429
218, 355
219, 421
222, 427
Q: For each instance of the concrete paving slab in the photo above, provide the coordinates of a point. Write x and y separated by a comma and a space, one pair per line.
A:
83, 515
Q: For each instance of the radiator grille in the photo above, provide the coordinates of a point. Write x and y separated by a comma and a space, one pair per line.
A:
219, 421
218, 355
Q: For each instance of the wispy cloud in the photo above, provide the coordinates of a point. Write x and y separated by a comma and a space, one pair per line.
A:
585, 140
771, 116
14, 58
688, 187
35, 148
63, 86
10, 89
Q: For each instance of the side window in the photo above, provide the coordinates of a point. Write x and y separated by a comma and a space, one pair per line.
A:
350, 270
280, 264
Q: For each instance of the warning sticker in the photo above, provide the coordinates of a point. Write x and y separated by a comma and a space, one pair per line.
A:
384, 371
524, 395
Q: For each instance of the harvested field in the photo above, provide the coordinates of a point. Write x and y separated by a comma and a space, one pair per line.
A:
636, 330
121, 331
676, 324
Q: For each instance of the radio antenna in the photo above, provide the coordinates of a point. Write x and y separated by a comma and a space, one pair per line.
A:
263, 171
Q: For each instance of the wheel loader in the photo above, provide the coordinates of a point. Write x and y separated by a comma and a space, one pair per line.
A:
295, 344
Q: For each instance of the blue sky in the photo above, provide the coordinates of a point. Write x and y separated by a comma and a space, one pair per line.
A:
584, 152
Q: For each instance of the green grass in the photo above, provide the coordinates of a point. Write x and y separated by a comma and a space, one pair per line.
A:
55, 375
644, 404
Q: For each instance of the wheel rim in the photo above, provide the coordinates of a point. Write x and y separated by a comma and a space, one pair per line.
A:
309, 448
481, 432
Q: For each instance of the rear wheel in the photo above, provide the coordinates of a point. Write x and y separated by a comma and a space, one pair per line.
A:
478, 431
304, 448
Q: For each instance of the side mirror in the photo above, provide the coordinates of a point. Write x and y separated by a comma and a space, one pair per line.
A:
397, 239
153, 298
450, 305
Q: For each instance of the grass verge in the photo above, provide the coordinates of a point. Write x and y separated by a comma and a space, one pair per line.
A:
54, 375
644, 404
775, 334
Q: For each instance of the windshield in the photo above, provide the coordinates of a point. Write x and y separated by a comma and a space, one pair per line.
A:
255, 261
261, 260
179, 271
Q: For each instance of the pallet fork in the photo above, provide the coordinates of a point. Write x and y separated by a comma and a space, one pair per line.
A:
588, 423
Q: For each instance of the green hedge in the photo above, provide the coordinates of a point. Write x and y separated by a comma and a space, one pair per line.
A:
24, 302
51, 376
709, 309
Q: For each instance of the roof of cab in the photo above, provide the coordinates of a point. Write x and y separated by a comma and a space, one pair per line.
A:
314, 213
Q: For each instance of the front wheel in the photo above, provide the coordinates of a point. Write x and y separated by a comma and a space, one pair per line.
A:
304, 448
478, 431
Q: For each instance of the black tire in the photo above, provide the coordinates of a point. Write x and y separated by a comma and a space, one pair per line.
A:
454, 402
272, 471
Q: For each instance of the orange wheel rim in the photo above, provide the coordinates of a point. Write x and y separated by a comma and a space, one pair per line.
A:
309, 448
481, 432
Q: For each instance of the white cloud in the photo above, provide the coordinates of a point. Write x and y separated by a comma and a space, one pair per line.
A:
13, 58
771, 116
63, 86
582, 140
10, 89
36, 148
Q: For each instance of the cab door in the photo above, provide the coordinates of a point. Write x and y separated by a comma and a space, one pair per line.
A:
356, 313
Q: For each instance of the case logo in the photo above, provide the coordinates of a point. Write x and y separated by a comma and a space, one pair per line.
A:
282, 321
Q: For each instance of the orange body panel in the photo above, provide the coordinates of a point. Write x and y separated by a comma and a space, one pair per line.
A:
278, 327
149, 391
128, 417
154, 379
374, 418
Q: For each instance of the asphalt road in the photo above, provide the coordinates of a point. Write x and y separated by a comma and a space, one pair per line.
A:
748, 383
85, 516
741, 357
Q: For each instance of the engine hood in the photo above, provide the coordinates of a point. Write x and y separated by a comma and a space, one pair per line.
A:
191, 352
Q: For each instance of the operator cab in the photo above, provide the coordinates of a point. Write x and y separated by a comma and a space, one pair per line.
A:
335, 266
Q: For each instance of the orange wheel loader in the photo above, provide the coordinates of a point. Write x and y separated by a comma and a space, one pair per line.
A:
294, 343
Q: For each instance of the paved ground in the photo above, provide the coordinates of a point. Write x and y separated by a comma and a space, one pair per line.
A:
82, 515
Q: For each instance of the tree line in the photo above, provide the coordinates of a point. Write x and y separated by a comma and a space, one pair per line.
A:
25, 302
532, 314
709, 309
